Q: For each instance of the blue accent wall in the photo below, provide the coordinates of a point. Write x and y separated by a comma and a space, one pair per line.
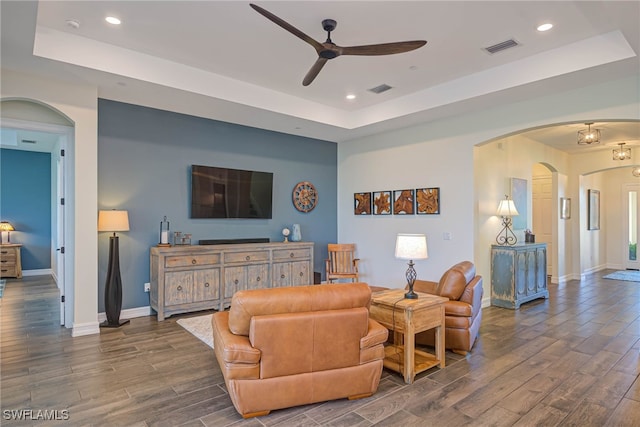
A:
144, 162
25, 201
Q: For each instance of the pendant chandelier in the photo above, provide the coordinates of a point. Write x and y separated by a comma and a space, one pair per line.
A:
621, 153
588, 136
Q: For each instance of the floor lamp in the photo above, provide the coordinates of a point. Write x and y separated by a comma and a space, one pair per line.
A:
113, 220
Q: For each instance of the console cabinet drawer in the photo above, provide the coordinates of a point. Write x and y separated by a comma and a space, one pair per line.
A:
254, 256
192, 260
10, 263
292, 254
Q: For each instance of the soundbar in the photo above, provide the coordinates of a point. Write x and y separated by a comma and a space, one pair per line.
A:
233, 241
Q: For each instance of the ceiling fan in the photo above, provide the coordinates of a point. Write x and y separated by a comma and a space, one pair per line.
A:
329, 50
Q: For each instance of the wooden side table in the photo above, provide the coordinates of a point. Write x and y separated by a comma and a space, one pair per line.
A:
407, 317
10, 263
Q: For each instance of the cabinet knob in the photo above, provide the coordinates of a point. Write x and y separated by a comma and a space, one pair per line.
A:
282, 276
291, 255
179, 288
301, 274
5, 252
193, 261
4, 260
248, 258
258, 279
235, 282
206, 285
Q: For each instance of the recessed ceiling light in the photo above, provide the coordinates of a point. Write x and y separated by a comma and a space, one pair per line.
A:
545, 27
350, 96
112, 20
73, 23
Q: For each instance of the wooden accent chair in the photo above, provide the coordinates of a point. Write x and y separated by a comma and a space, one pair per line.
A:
342, 263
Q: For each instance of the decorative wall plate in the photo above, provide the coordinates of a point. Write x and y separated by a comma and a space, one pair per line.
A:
305, 196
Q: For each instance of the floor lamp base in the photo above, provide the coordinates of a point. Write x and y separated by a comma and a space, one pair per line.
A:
106, 323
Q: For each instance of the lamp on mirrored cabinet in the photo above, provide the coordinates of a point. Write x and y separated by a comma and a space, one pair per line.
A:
411, 246
506, 209
113, 220
6, 228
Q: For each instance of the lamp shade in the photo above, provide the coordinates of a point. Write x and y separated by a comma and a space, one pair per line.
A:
507, 208
6, 226
411, 246
113, 220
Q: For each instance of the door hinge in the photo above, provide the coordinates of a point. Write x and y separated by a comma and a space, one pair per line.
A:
62, 153
62, 201
62, 250
62, 298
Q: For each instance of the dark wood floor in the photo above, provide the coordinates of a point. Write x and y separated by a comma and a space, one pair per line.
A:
572, 360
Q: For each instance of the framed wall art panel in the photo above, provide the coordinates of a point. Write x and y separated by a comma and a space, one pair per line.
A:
403, 202
362, 203
382, 202
428, 201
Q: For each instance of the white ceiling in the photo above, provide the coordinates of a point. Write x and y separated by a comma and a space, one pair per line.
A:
223, 60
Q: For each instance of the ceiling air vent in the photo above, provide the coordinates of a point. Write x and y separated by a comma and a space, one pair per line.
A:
507, 44
28, 141
380, 89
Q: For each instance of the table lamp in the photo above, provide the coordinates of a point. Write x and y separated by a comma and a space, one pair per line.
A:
506, 209
5, 226
113, 220
411, 246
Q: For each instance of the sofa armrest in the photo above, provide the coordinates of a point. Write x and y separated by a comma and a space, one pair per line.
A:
233, 348
425, 286
376, 335
458, 309
473, 294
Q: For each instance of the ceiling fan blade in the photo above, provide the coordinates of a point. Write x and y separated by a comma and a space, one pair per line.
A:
384, 48
293, 30
313, 72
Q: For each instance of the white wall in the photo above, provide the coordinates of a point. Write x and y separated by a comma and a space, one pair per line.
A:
79, 104
441, 154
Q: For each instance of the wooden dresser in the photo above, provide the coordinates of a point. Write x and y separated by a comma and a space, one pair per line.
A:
518, 274
10, 263
191, 278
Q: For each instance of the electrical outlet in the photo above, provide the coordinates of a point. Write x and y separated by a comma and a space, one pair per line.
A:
446, 235
147, 287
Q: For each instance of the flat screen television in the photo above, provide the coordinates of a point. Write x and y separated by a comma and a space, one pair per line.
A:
230, 193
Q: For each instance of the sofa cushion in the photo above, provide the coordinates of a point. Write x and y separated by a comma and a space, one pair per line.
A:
259, 302
455, 279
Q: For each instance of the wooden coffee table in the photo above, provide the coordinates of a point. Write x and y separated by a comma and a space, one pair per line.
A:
407, 317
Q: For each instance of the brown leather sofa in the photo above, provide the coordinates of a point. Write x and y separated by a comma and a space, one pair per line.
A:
286, 347
463, 311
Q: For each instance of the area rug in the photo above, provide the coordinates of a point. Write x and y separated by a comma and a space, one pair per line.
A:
628, 275
3, 283
200, 327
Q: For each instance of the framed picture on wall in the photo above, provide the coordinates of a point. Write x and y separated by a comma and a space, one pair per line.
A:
519, 197
362, 203
565, 208
428, 201
403, 202
593, 210
382, 202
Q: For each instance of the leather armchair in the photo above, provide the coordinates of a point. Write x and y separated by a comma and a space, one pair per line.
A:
284, 347
463, 311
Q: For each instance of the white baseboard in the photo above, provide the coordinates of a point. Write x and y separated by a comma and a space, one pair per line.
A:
90, 328
40, 272
129, 313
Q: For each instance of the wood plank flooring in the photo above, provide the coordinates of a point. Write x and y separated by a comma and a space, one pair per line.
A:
571, 360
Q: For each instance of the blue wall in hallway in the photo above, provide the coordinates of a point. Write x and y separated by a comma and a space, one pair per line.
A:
25, 201
144, 161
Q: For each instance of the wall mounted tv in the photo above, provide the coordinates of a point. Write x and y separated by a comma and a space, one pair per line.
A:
230, 193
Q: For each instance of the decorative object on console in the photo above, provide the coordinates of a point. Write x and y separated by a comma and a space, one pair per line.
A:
362, 203
428, 201
529, 237
506, 209
382, 203
588, 136
164, 233
411, 246
285, 233
6, 228
296, 235
621, 153
180, 238
113, 220
305, 196
403, 202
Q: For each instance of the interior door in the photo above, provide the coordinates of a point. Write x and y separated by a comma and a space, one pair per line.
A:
542, 209
630, 243
60, 236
